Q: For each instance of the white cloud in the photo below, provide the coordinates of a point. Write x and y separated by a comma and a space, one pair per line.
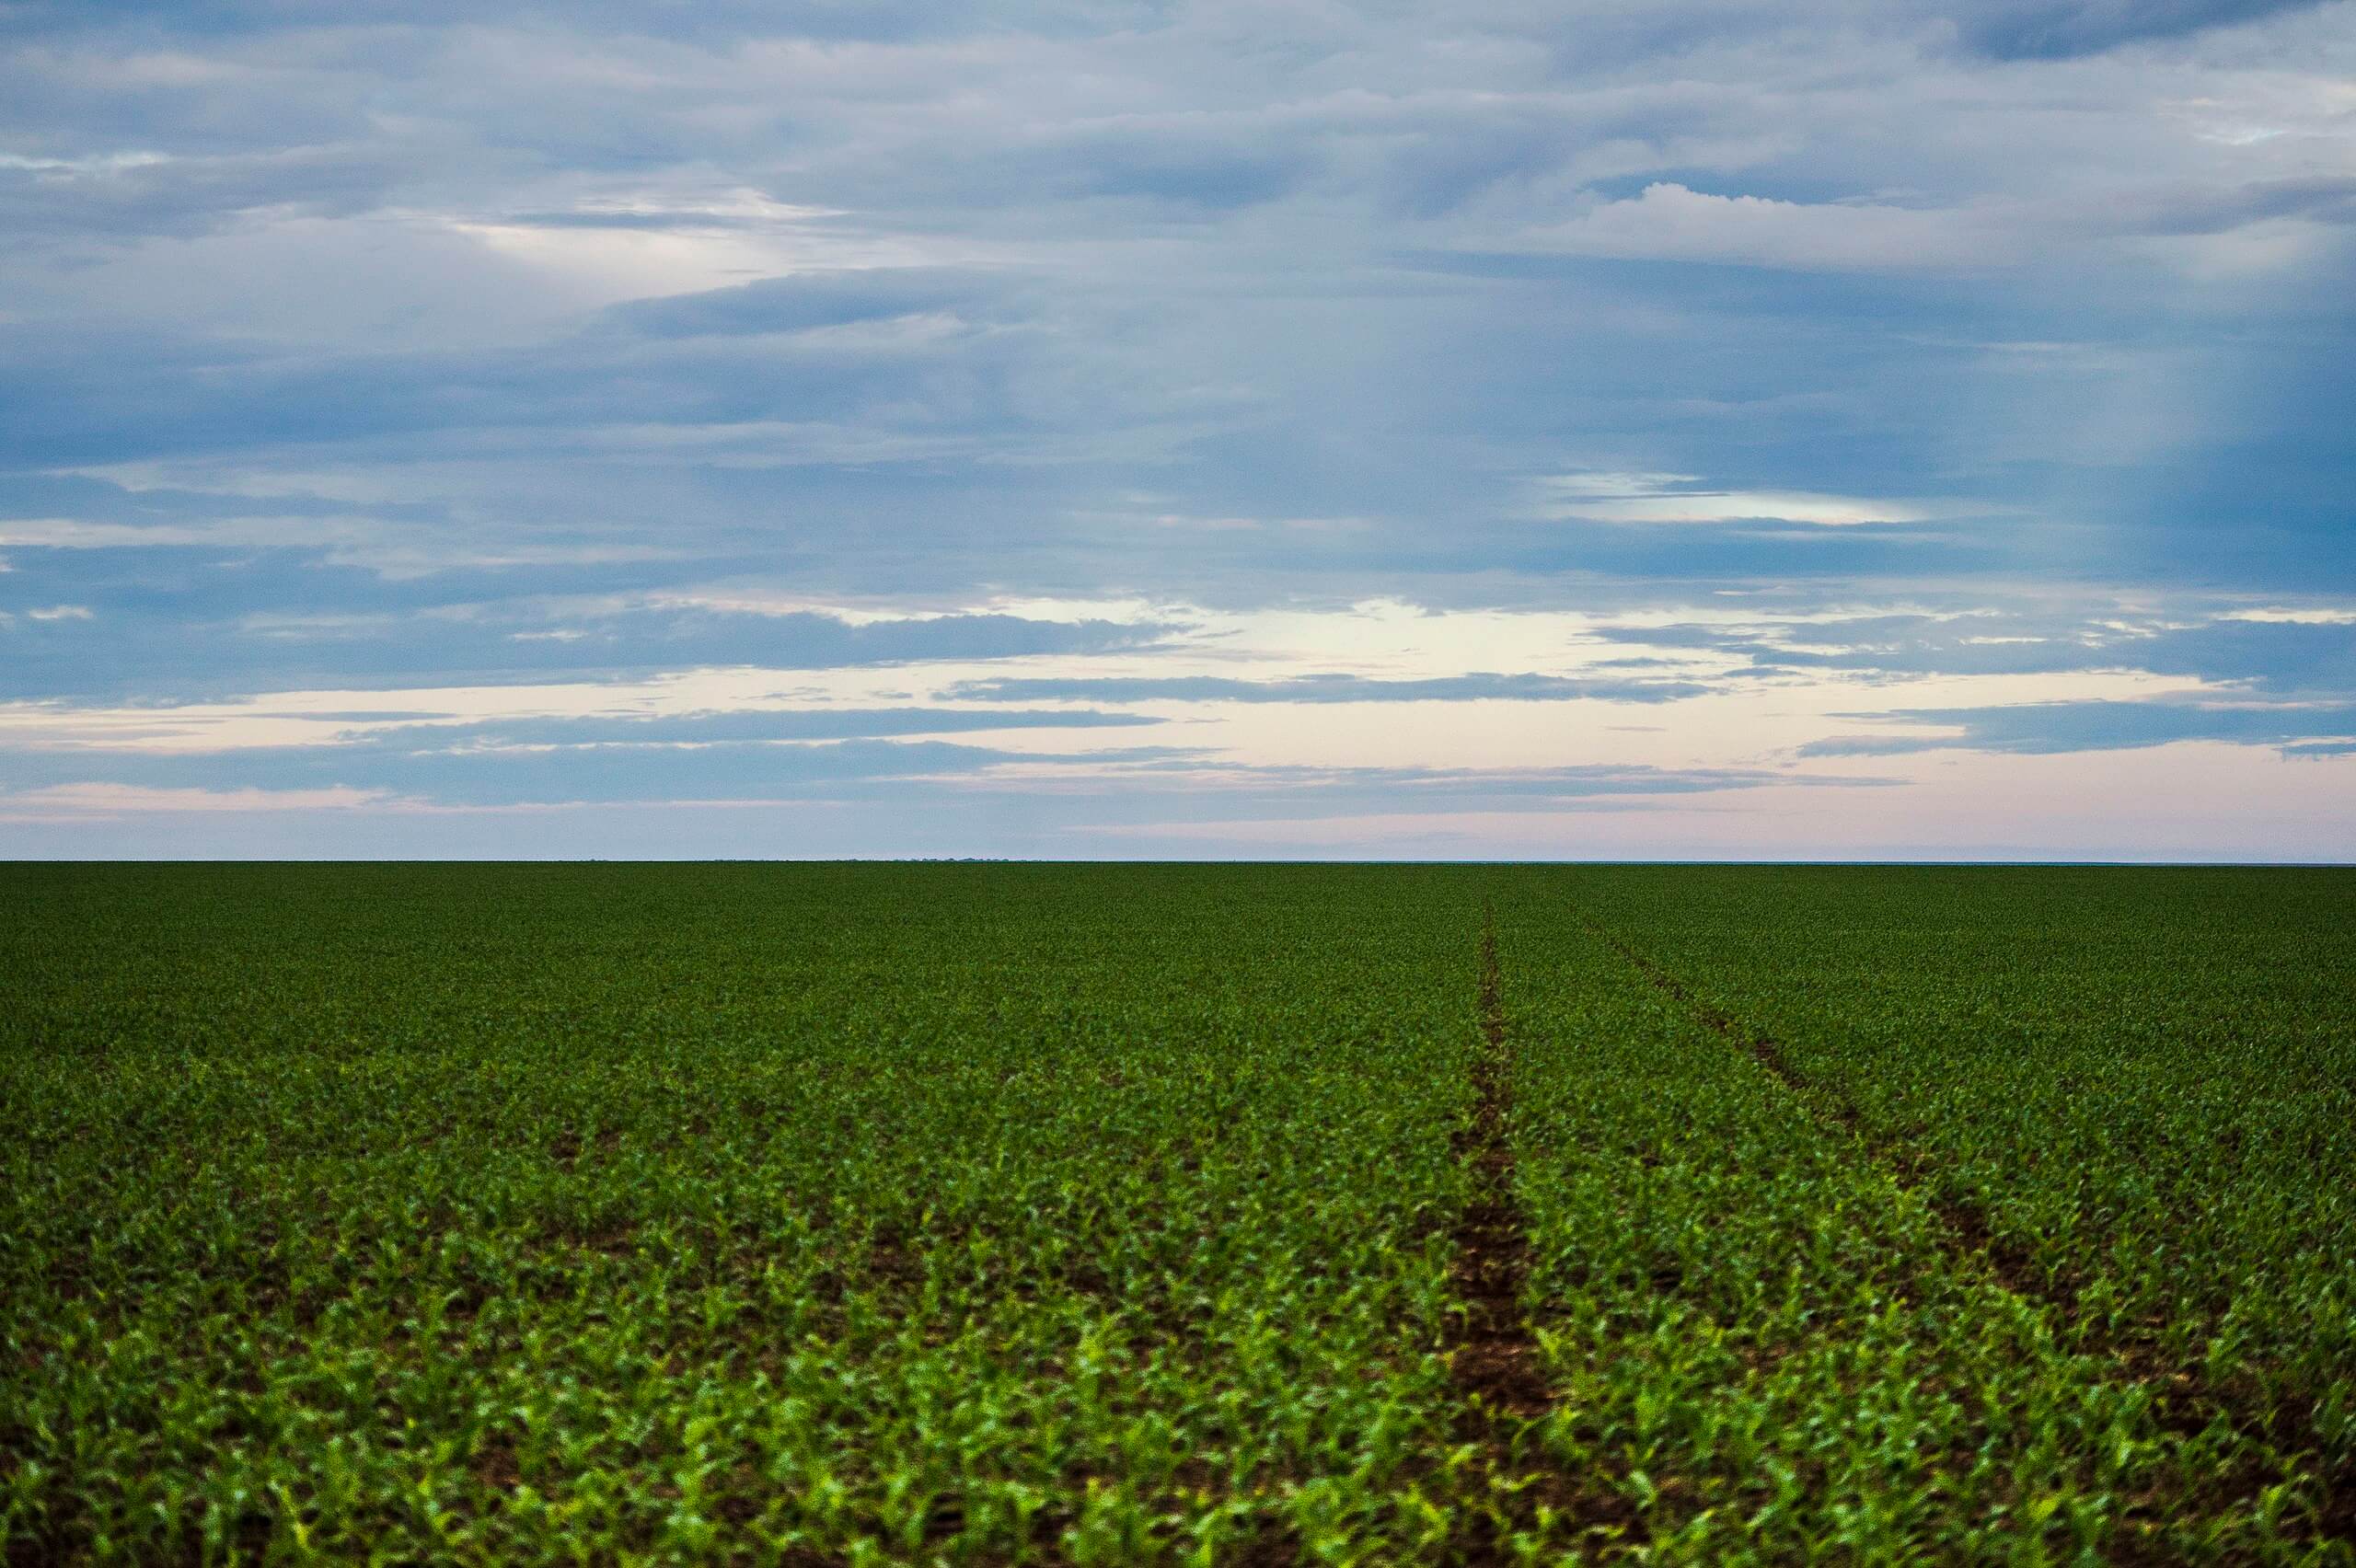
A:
76, 534
1605, 497
2301, 615
88, 164
105, 800
393, 550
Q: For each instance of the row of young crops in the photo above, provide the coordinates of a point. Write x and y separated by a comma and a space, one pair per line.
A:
818, 1215
2128, 1096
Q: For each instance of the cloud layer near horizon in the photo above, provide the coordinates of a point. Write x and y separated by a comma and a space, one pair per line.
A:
1700, 429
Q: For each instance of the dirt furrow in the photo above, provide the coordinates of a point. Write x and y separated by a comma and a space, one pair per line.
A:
2184, 1400
1972, 1234
1494, 1362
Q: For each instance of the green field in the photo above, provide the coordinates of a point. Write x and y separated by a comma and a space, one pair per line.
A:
996, 1213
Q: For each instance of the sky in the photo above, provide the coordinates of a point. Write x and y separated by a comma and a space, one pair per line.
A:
1849, 430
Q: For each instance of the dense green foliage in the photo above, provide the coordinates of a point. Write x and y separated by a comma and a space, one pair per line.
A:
989, 1214
2142, 1085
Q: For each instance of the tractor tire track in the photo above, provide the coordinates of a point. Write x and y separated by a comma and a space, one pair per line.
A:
1494, 1361
1969, 1233
2183, 1401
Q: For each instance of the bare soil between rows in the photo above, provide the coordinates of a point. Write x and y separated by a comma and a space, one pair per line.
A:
2184, 1400
1495, 1359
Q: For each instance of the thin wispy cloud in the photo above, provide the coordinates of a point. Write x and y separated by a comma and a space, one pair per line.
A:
1684, 497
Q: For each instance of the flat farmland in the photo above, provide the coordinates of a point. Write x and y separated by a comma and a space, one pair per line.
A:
994, 1213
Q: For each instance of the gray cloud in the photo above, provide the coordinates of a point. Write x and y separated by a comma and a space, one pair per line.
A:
2278, 656
802, 304
164, 624
734, 726
2042, 728
2031, 30
1324, 689
417, 766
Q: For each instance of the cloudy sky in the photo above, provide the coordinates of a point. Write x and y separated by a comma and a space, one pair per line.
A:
1729, 428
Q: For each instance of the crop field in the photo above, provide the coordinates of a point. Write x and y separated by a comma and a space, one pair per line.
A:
997, 1213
